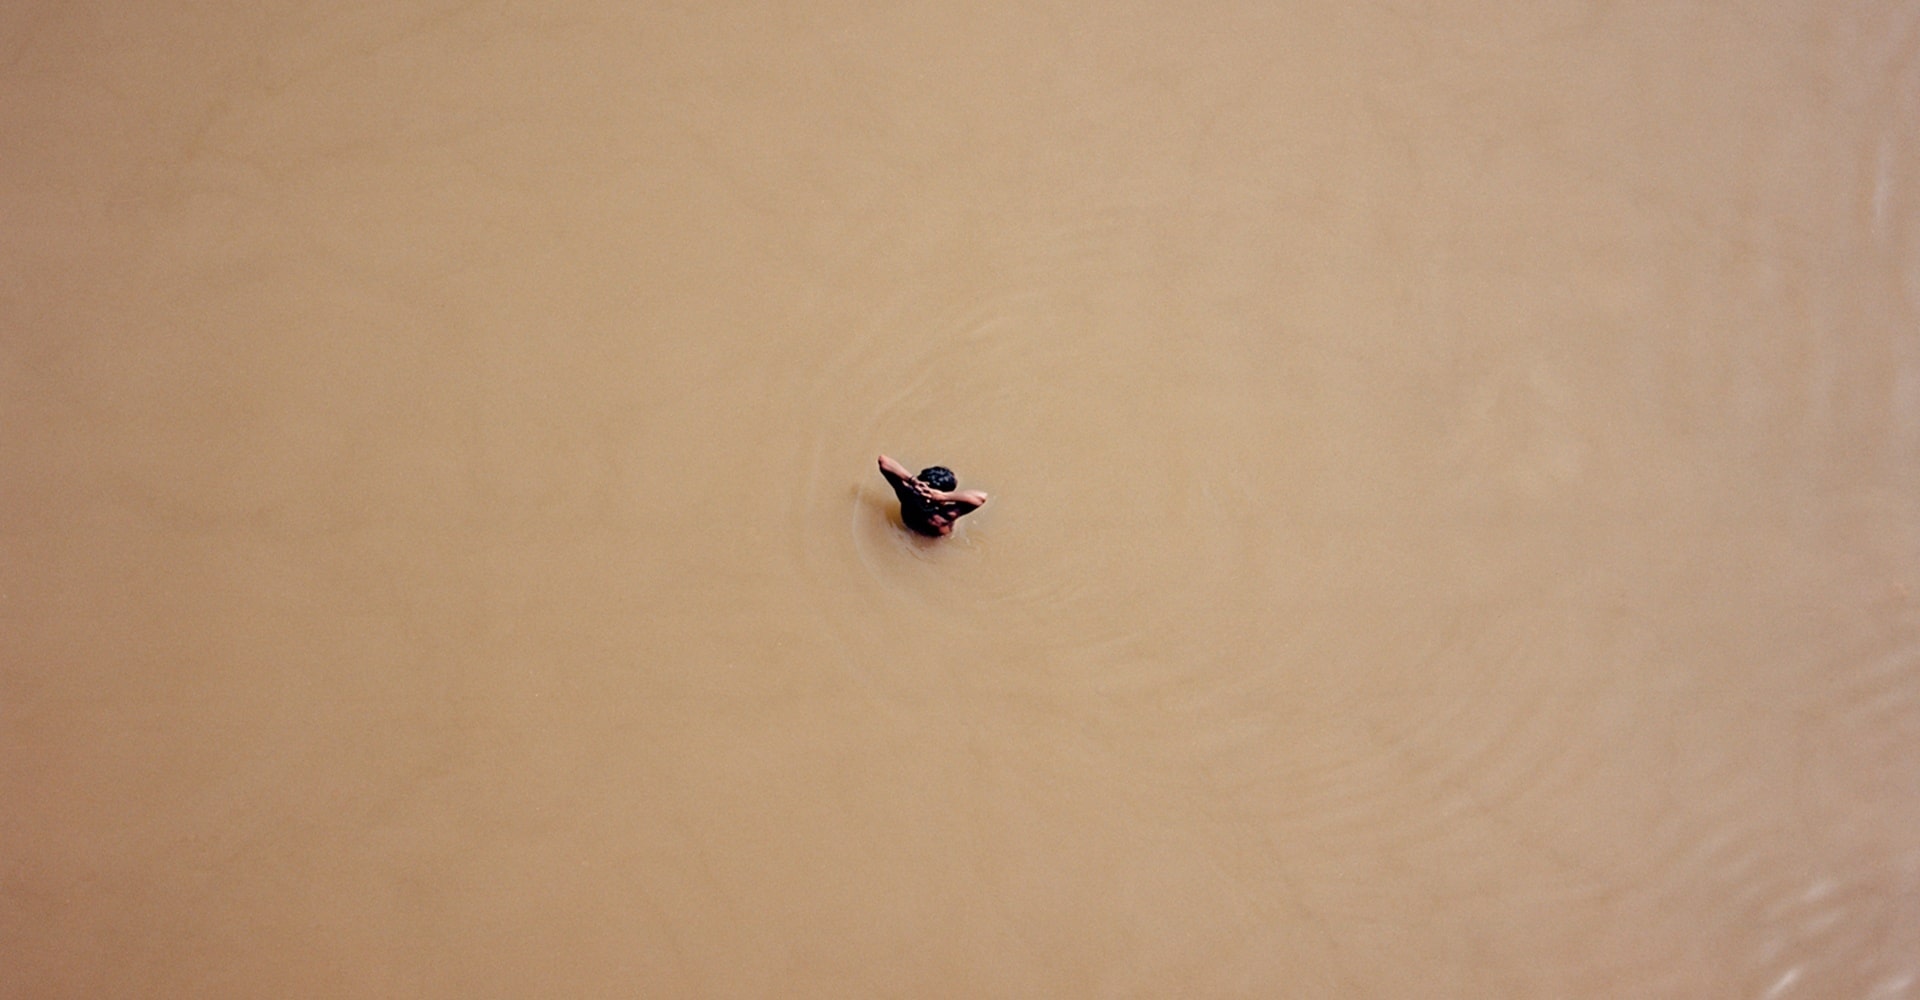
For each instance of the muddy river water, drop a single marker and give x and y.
(1455, 521)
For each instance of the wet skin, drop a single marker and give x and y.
(926, 510)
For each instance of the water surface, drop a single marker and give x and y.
(1456, 520)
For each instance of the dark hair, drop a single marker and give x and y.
(939, 477)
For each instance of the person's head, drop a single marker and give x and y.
(939, 477)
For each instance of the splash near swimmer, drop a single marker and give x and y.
(929, 504)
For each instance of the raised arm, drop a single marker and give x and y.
(968, 498)
(907, 488)
(939, 507)
(894, 471)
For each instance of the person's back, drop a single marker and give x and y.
(928, 503)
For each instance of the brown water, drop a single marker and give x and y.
(1456, 520)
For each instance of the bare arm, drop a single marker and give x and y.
(893, 470)
(946, 506)
(904, 485)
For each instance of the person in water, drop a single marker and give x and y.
(928, 503)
